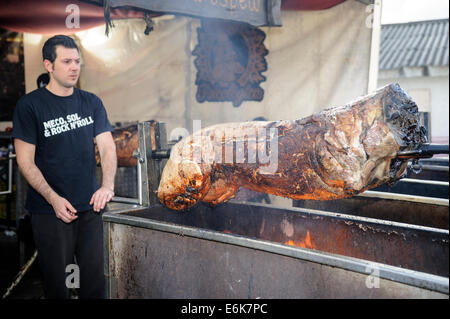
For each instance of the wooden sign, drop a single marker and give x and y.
(230, 59)
(254, 12)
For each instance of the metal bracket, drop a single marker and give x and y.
(10, 156)
(151, 161)
(151, 157)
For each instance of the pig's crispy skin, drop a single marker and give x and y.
(333, 154)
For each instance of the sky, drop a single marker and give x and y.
(400, 11)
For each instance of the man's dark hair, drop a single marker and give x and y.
(43, 80)
(49, 48)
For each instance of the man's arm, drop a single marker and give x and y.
(108, 160)
(25, 161)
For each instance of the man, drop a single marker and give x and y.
(54, 128)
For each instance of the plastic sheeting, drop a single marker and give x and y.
(318, 59)
(138, 77)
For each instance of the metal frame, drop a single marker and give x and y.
(11, 156)
(424, 181)
(115, 208)
(396, 274)
(150, 162)
(147, 167)
(405, 197)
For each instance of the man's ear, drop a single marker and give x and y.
(48, 65)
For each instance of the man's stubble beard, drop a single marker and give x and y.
(66, 85)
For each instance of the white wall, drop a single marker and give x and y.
(437, 102)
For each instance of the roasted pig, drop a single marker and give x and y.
(126, 140)
(336, 153)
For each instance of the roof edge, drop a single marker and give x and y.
(416, 22)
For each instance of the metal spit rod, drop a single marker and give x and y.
(424, 181)
(425, 151)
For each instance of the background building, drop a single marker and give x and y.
(415, 54)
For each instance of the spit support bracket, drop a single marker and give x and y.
(151, 156)
(424, 151)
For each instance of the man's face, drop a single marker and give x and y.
(65, 70)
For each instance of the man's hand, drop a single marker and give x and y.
(102, 196)
(63, 209)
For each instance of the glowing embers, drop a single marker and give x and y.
(303, 243)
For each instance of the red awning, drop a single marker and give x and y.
(49, 16)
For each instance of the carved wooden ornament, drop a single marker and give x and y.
(230, 58)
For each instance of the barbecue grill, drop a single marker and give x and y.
(249, 250)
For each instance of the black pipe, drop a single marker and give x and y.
(425, 151)
(161, 154)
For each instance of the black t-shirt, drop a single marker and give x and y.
(63, 129)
